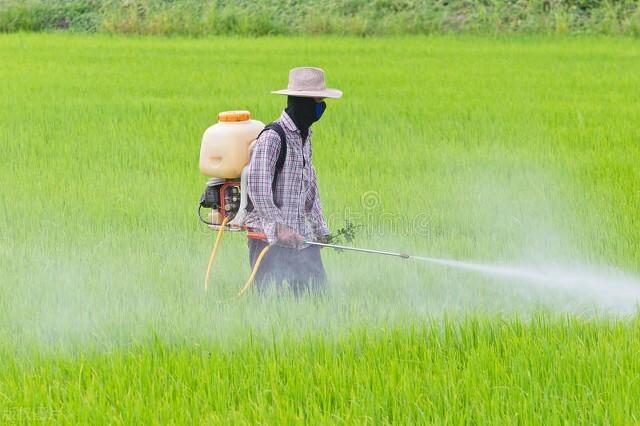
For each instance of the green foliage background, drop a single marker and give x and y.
(353, 17)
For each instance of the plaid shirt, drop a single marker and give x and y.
(296, 189)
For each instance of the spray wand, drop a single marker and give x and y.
(362, 250)
(348, 234)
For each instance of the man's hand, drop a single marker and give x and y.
(287, 236)
(324, 239)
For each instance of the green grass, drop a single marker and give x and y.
(521, 150)
(479, 372)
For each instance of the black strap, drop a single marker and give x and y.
(279, 162)
(283, 148)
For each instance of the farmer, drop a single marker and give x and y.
(283, 189)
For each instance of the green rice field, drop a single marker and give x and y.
(522, 152)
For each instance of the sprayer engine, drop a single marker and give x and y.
(222, 196)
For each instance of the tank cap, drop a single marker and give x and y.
(231, 116)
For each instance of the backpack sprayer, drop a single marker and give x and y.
(224, 157)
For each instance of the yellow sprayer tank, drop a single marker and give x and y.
(224, 151)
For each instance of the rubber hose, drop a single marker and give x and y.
(249, 282)
(214, 251)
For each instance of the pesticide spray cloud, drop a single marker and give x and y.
(534, 247)
(112, 291)
(524, 219)
(612, 290)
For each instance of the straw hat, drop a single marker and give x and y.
(308, 82)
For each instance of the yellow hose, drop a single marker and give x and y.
(214, 251)
(254, 271)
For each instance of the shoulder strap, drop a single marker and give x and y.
(283, 146)
(281, 156)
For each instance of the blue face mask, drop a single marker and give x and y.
(320, 108)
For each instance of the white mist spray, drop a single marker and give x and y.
(609, 289)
